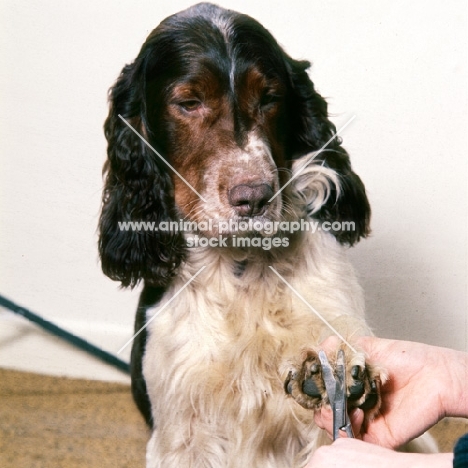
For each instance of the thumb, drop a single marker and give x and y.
(356, 416)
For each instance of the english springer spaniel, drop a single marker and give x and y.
(214, 126)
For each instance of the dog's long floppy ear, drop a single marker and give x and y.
(310, 131)
(138, 188)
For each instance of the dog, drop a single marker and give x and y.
(215, 125)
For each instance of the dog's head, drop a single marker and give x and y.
(224, 113)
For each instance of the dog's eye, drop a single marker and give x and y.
(269, 99)
(190, 105)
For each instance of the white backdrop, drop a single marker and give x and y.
(400, 67)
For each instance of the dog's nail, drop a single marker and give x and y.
(355, 372)
(370, 402)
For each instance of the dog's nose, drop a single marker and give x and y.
(250, 200)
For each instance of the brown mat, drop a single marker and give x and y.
(57, 422)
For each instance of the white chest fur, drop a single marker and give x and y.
(217, 355)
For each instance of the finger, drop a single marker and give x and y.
(324, 420)
(318, 419)
(356, 416)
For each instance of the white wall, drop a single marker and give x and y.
(399, 66)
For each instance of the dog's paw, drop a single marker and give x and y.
(306, 385)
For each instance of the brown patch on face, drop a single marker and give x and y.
(256, 93)
(201, 121)
(204, 121)
(261, 98)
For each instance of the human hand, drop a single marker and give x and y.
(353, 453)
(425, 384)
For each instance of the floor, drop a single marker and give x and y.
(67, 423)
(58, 422)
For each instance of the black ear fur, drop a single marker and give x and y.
(137, 188)
(310, 130)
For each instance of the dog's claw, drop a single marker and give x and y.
(372, 398)
(357, 388)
